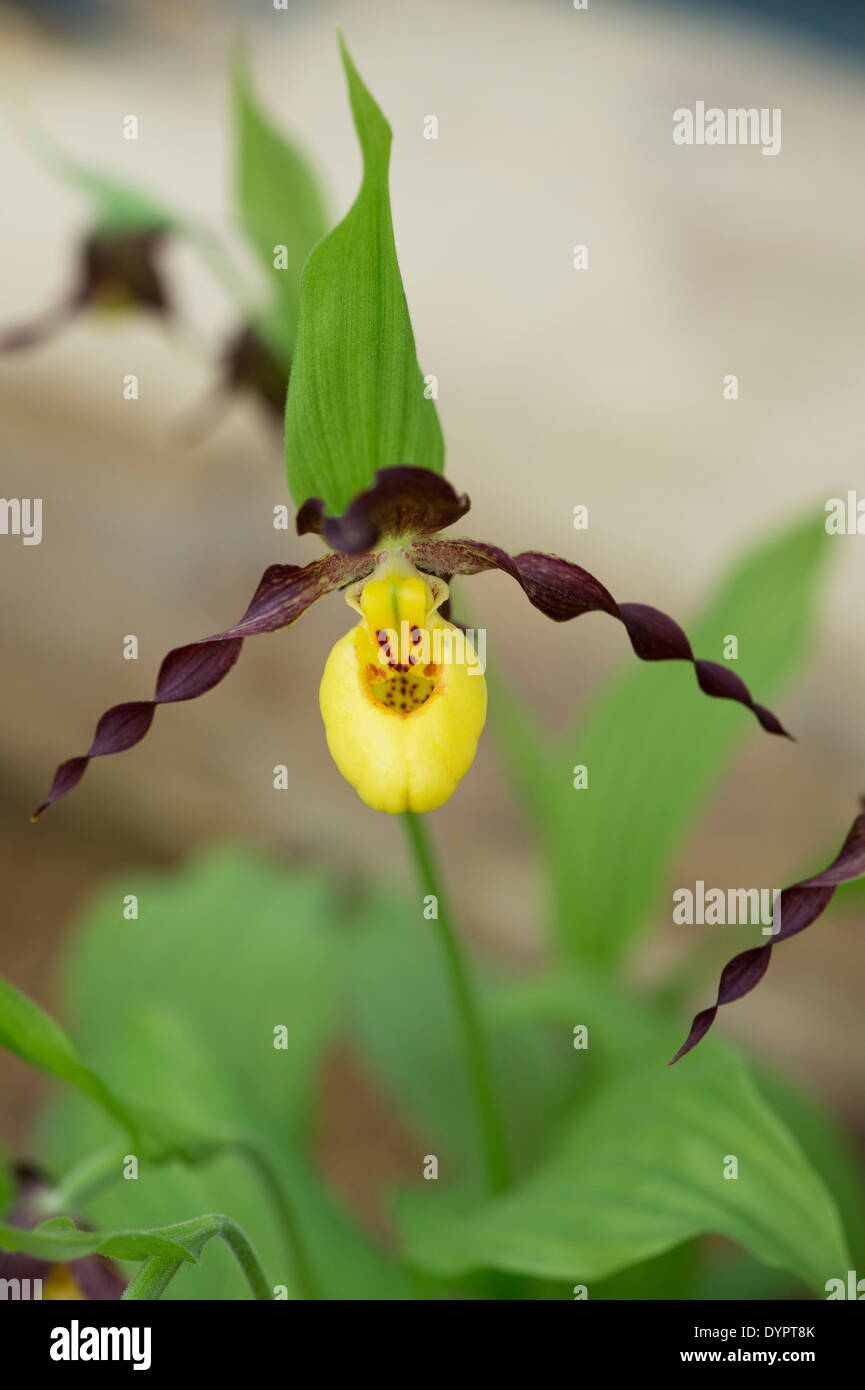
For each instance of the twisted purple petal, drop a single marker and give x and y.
(283, 594)
(800, 905)
(562, 591)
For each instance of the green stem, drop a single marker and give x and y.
(100, 1169)
(82, 1182)
(156, 1274)
(466, 1005)
(253, 1151)
(152, 1279)
(246, 1257)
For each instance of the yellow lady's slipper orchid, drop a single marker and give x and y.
(403, 696)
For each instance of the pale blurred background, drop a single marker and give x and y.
(556, 387)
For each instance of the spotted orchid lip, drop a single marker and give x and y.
(402, 511)
(800, 905)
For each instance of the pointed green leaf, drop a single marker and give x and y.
(119, 206)
(35, 1037)
(278, 199)
(641, 1170)
(357, 402)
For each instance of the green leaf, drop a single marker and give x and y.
(345, 1264)
(119, 206)
(654, 747)
(831, 1152)
(35, 1037)
(59, 1239)
(224, 953)
(278, 198)
(640, 1171)
(7, 1186)
(623, 1030)
(357, 400)
(179, 1010)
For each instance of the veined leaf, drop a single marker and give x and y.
(357, 399)
(641, 1170)
(277, 196)
(626, 1031)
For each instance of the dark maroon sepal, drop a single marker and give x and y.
(800, 905)
(284, 593)
(248, 364)
(404, 501)
(123, 263)
(562, 591)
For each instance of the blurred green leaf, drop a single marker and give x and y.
(654, 747)
(179, 1009)
(121, 208)
(277, 195)
(640, 1171)
(345, 1264)
(35, 1037)
(357, 400)
(622, 1028)
(663, 1278)
(118, 205)
(828, 1149)
(7, 1186)
(230, 949)
(625, 1030)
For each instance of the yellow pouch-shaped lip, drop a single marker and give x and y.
(403, 759)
